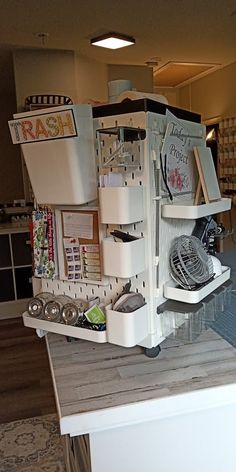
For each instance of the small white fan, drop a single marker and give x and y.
(217, 267)
(190, 265)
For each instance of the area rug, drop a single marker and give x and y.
(31, 445)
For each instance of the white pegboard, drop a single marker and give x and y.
(156, 231)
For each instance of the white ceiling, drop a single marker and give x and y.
(174, 30)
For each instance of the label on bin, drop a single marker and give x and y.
(43, 127)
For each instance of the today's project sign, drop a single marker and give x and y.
(43, 127)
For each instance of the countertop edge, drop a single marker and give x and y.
(148, 410)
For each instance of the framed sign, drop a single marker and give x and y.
(178, 158)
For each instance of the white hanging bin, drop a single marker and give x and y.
(123, 259)
(126, 329)
(58, 148)
(121, 205)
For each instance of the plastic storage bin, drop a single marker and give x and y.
(209, 310)
(61, 167)
(183, 320)
(126, 329)
(192, 326)
(227, 287)
(121, 205)
(219, 301)
(123, 259)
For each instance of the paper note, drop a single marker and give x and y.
(78, 225)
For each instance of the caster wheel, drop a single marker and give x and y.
(152, 352)
(70, 339)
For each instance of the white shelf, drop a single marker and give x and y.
(186, 210)
(174, 292)
(59, 328)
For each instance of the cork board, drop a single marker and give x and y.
(81, 246)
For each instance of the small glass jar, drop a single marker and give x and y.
(52, 309)
(73, 311)
(36, 304)
(70, 314)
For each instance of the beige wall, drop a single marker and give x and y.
(213, 95)
(11, 182)
(59, 72)
(44, 72)
(91, 80)
(170, 93)
(140, 76)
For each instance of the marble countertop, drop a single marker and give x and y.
(102, 386)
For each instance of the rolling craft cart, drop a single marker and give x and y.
(68, 153)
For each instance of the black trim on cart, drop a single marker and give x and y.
(144, 104)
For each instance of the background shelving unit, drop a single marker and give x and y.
(15, 270)
(227, 155)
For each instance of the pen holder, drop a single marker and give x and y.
(121, 205)
(126, 329)
(123, 259)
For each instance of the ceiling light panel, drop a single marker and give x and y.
(113, 41)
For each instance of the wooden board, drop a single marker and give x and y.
(207, 173)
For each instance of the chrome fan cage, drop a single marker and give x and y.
(190, 265)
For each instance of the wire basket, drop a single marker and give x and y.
(190, 265)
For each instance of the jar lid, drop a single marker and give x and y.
(70, 314)
(52, 311)
(35, 307)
